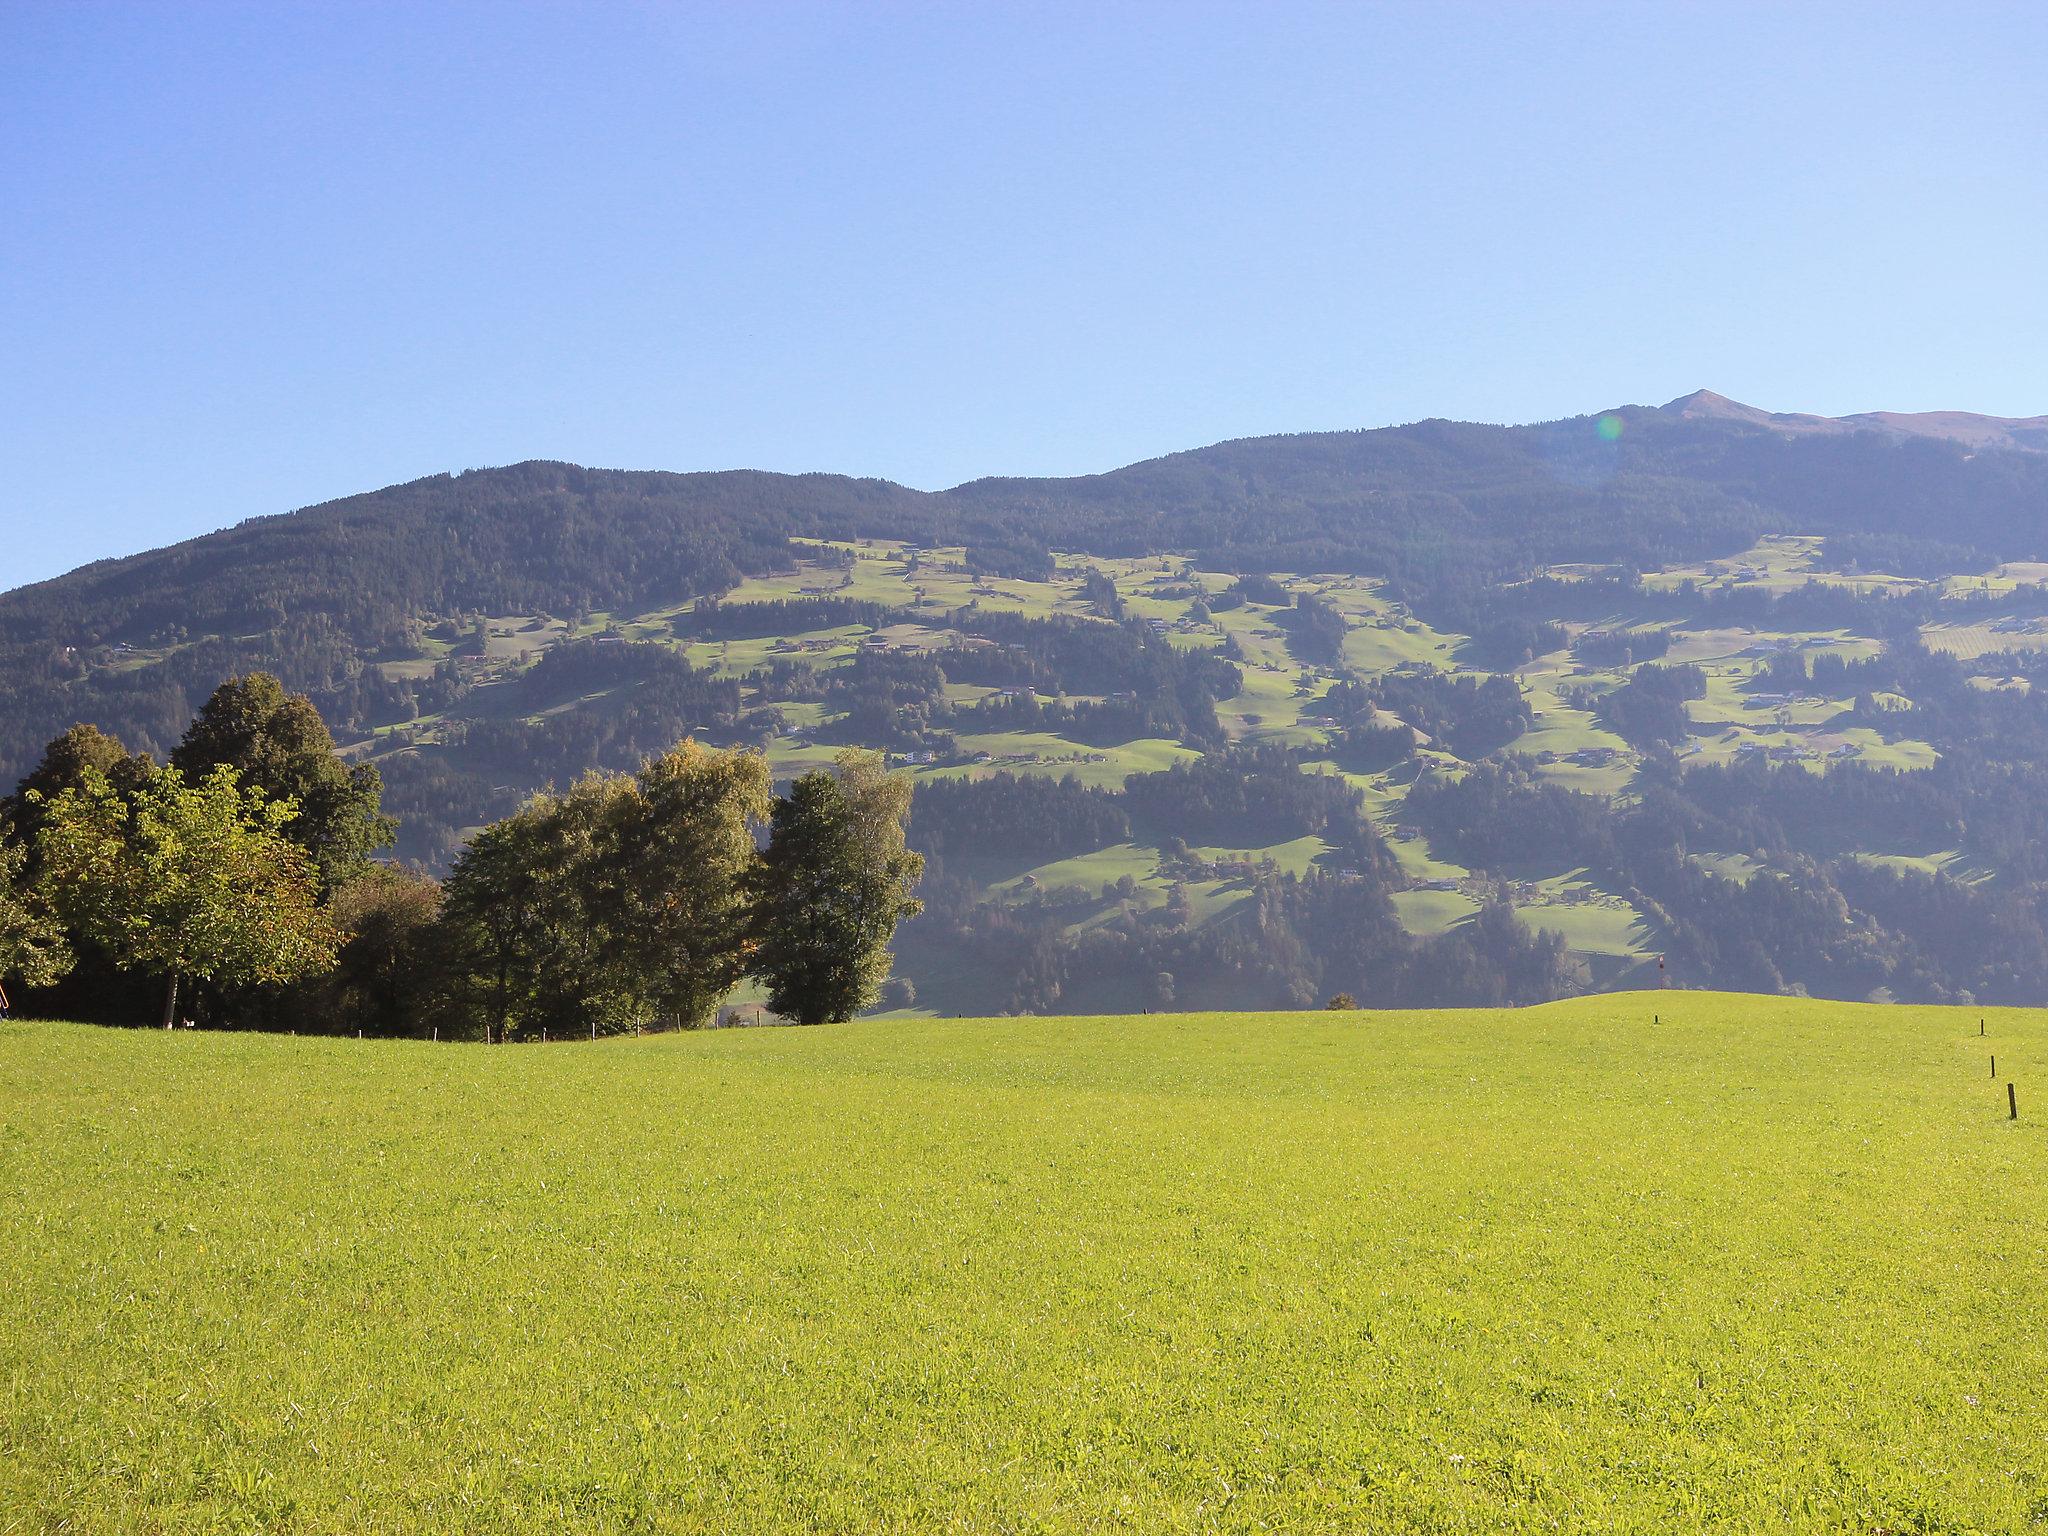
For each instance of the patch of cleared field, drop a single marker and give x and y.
(1952, 862)
(820, 648)
(1967, 641)
(2000, 684)
(513, 635)
(1209, 900)
(1904, 755)
(413, 669)
(1777, 563)
(1382, 641)
(1427, 914)
(1043, 752)
(1292, 858)
(805, 714)
(787, 586)
(1263, 642)
(1418, 862)
(1607, 780)
(1089, 872)
(1559, 728)
(1597, 925)
(1708, 645)
(787, 759)
(1739, 867)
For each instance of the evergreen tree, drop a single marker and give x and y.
(182, 879)
(832, 886)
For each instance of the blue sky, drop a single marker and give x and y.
(256, 256)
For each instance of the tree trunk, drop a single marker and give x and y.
(171, 1001)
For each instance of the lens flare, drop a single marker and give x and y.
(1609, 428)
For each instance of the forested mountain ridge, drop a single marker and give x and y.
(1352, 710)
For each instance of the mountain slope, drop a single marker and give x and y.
(1340, 711)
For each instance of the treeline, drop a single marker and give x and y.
(242, 871)
(1471, 716)
(1815, 914)
(710, 619)
(1291, 942)
(1011, 814)
(1649, 709)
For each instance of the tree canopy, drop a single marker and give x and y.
(183, 879)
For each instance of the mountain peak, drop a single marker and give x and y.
(1704, 402)
(1972, 431)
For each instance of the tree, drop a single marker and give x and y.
(671, 875)
(834, 882)
(181, 879)
(277, 742)
(62, 767)
(32, 944)
(523, 916)
(386, 972)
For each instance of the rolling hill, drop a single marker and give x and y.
(1751, 695)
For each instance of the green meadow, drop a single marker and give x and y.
(1760, 1265)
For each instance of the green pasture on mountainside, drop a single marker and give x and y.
(1765, 1264)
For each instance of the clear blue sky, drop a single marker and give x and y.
(256, 256)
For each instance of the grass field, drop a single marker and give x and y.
(1767, 1265)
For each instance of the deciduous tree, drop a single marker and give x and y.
(834, 882)
(181, 879)
(523, 917)
(277, 742)
(32, 944)
(672, 875)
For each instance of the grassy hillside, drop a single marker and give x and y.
(1277, 706)
(1858, 620)
(1763, 1265)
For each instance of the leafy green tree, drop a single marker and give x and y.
(670, 878)
(181, 879)
(33, 949)
(523, 921)
(277, 742)
(834, 882)
(62, 767)
(386, 977)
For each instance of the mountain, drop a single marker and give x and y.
(1239, 726)
(2025, 434)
